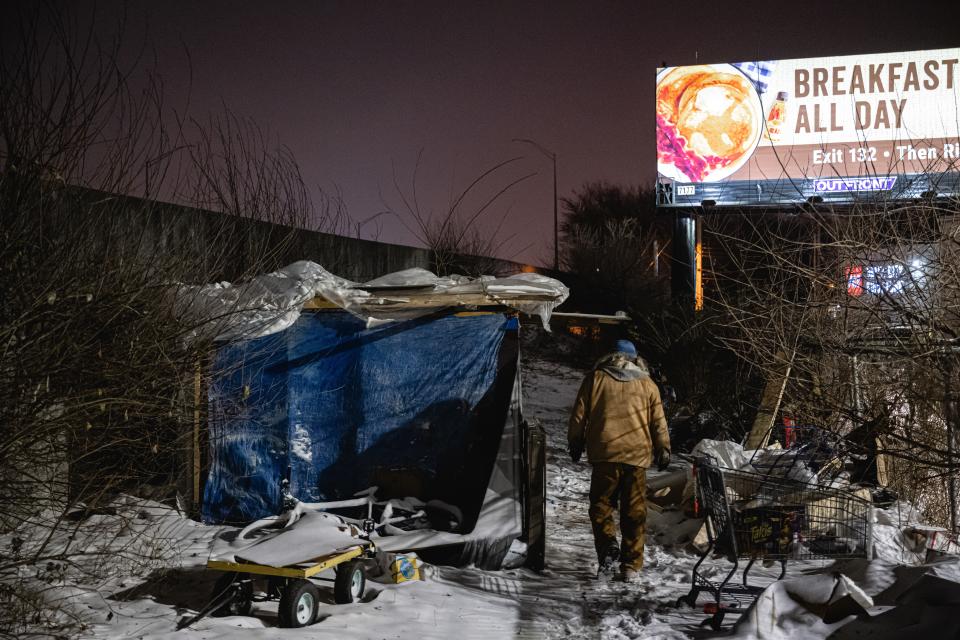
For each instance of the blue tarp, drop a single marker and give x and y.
(337, 407)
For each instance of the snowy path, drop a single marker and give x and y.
(577, 604)
(566, 600)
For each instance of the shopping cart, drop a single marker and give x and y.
(759, 516)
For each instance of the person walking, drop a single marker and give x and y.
(618, 418)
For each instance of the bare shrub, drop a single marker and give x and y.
(460, 237)
(612, 242)
(861, 300)
(99, 379)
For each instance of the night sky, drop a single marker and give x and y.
(357, 89)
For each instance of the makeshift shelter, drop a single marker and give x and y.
(409, 384)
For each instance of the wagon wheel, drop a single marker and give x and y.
(350, 583)
(240, 602)
(298, 604)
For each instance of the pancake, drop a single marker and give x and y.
(714, 120)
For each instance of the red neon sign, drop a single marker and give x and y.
(854, 276)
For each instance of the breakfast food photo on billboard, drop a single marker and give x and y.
(788, 131)
(709, 122)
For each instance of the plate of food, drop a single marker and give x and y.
(709, 121)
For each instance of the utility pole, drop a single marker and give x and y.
(951, 417)
(556, 224)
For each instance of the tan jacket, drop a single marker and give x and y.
(618, 415)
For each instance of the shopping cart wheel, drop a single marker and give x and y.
(715, 621)
(689, 600)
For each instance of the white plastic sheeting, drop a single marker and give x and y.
(899, 535)
(272, 302)
(304, 533)
(773, 460)
(728, 455)
(309, 536)
(805, 607)
(266, 304)
(858, 599)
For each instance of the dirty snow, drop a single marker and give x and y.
(164, 579)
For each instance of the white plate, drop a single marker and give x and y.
(670, 171)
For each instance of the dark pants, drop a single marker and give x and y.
(616, 485)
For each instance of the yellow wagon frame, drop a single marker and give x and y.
(300, 570)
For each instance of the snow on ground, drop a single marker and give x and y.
(564, 601)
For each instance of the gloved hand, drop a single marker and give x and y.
(575, 452)
(663, 459)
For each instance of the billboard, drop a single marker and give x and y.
(784, 131)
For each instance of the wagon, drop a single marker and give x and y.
(288, 562)
(294, 586)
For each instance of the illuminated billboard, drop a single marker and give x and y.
(838, 129)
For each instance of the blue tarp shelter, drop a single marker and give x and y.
(415, 407)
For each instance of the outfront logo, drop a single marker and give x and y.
(833, 185)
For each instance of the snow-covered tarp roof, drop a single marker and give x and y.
(272, 302)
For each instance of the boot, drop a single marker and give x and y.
(609, 561)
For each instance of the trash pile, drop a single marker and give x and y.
(800, 503)
(898, 533)
(822, 458)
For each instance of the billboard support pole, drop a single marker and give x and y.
(683, 272)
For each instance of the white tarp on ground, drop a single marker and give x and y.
(876, 600)
(272, 302)
(727, 454)
(809, 606)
